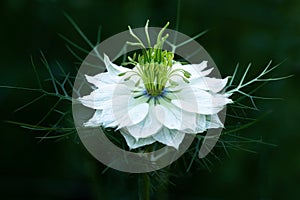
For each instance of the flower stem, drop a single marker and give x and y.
(144, 186)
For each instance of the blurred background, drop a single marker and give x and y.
(239, 32)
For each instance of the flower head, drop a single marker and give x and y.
(158, 100)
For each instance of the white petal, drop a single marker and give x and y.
(111, 76)
(127, 110)
(193, 99)
(104, 78)
(107, 118)
(96, 80)
(92, 101)
(100, 97)
(169, 137)
(149, 126)
(170, 119)
(132, 115)
(200, 124)
(133, 143)
(196, 70)
(213, 121)
(174, 118)
(209, 84)
(113, 69)
(95, 121)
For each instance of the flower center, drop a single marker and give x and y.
(154, 65)
(154, 69)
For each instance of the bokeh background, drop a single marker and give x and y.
(239, 32)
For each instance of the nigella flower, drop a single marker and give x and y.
(158, 100)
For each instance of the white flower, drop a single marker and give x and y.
(156, 101)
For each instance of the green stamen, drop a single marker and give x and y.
(154, 65)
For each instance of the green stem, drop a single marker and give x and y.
(144, 186)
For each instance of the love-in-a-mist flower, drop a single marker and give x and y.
(159, 99)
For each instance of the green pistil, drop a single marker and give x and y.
(154, 76)
(154, 66)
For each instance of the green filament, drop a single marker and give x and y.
(154, 65)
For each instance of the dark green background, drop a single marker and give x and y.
(240, 31)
